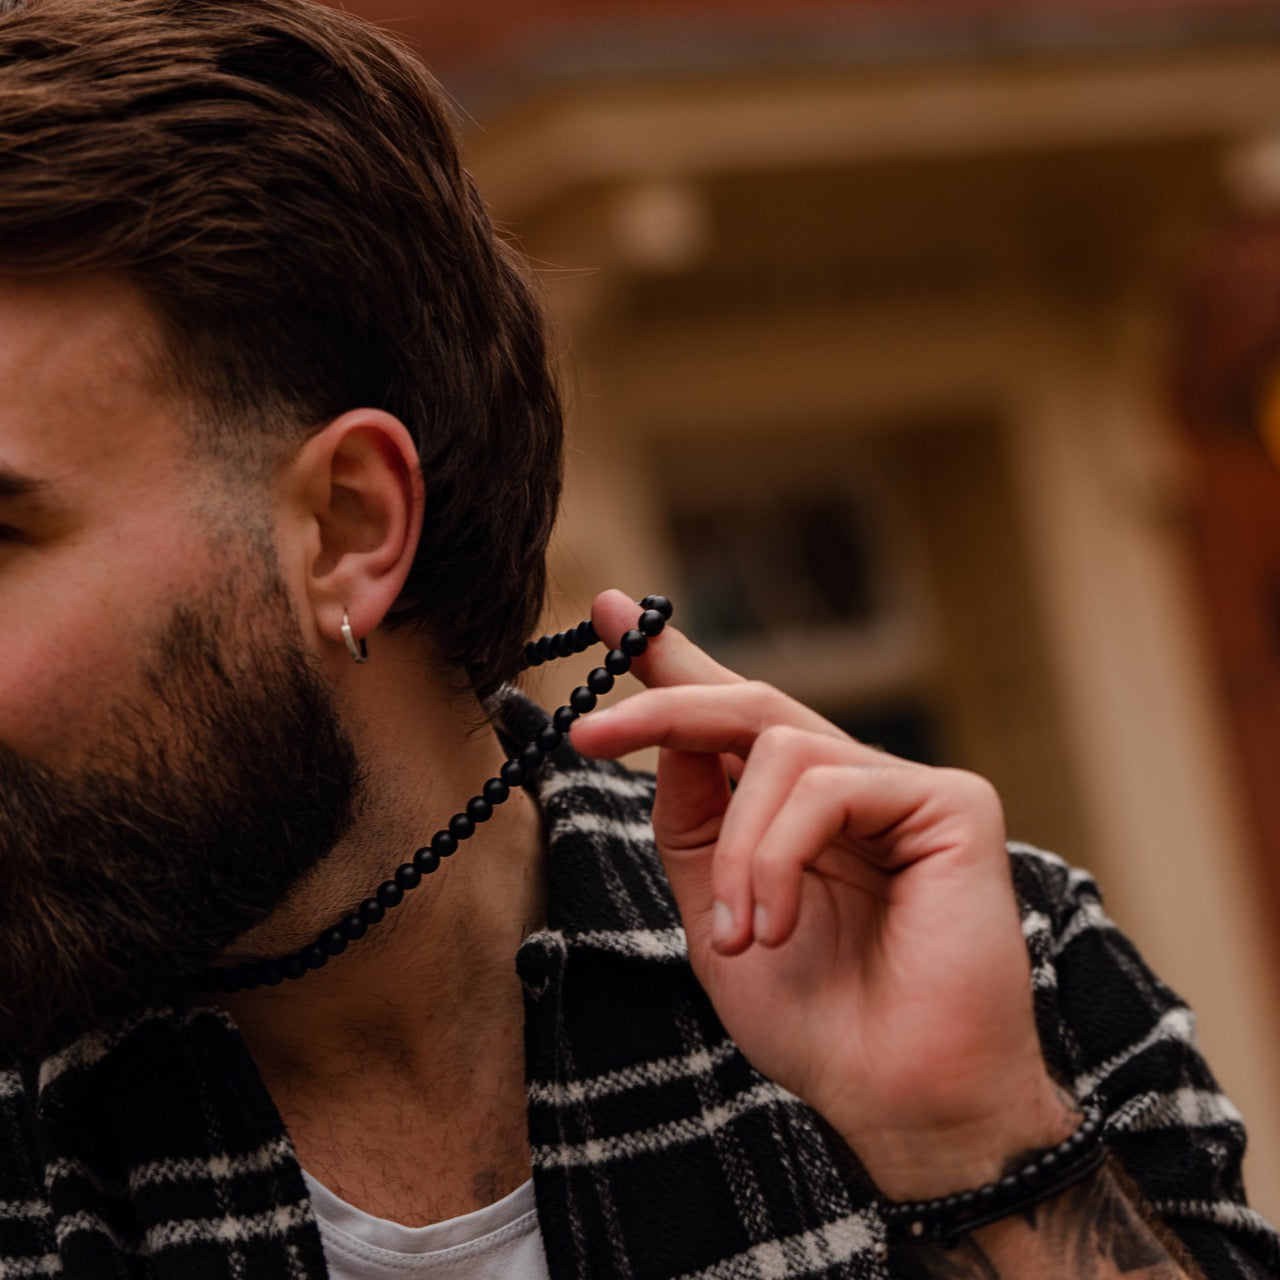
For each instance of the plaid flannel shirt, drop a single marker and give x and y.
(152, 1149)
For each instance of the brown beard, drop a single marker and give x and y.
(211, 795)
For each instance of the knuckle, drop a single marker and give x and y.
(820, 782)
(972, 788)
(778, 739)
(766, 698)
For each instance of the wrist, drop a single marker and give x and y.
(923, 1161)
(1044, 1175)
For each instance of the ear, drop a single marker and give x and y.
(353, 502)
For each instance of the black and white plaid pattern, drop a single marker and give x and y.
(153, 1150)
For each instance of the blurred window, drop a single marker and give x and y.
(777, 563)
(796, 568)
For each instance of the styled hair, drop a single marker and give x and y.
(282, 183)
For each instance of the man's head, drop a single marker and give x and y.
(282, 185)
(237, 253)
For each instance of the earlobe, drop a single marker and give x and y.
(357, 486)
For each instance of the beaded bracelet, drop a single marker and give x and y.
(946, 1218)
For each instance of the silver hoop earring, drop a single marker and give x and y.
(358, 649)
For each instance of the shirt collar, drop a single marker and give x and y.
(607, 889)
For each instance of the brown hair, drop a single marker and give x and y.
(282, 182)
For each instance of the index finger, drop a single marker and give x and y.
(673, 660)
(704, 719)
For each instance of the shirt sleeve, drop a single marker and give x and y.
(1118, 1037)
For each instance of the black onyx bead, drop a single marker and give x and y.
(495, 791)
(462, 826)
(563, 717)
(549, 739)
(986, 1193)
(531, 654)
(408, 876)
(950, 1204)
(617, 663)
(967, 1199)
(293, 966)
(426, 860)
(600, 681)
(582, 700)
(354, 927)
(586, 634)
(247, 979)
(1048, 1162)
(513, 773)
(444, 843)
(334, 941)
(270, 974)
(634, 643)
(543, 648)
(371, 911)
(1008, 1184)
(479, 809)
(659, 604)
(651, 622)
(390, 894)
(531, 756)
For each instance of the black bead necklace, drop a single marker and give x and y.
(444, 844)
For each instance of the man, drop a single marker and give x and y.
(273, 397)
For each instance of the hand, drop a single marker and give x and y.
(850, 915)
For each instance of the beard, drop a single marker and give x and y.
(210, 794)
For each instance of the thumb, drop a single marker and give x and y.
(675, 659)
(693, 789)
(688, 811)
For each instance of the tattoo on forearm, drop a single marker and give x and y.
(1092, 1231)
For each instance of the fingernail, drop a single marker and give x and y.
(760, 923)
(721, 922)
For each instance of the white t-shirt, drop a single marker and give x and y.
(499, 1242)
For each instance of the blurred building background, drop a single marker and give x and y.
(922, 351)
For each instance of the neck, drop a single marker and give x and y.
(398, 1068)
(435, 978)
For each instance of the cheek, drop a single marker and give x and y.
(57, 687)
(61, 702)
(74, 649)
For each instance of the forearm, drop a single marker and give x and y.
(1093, 1230)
